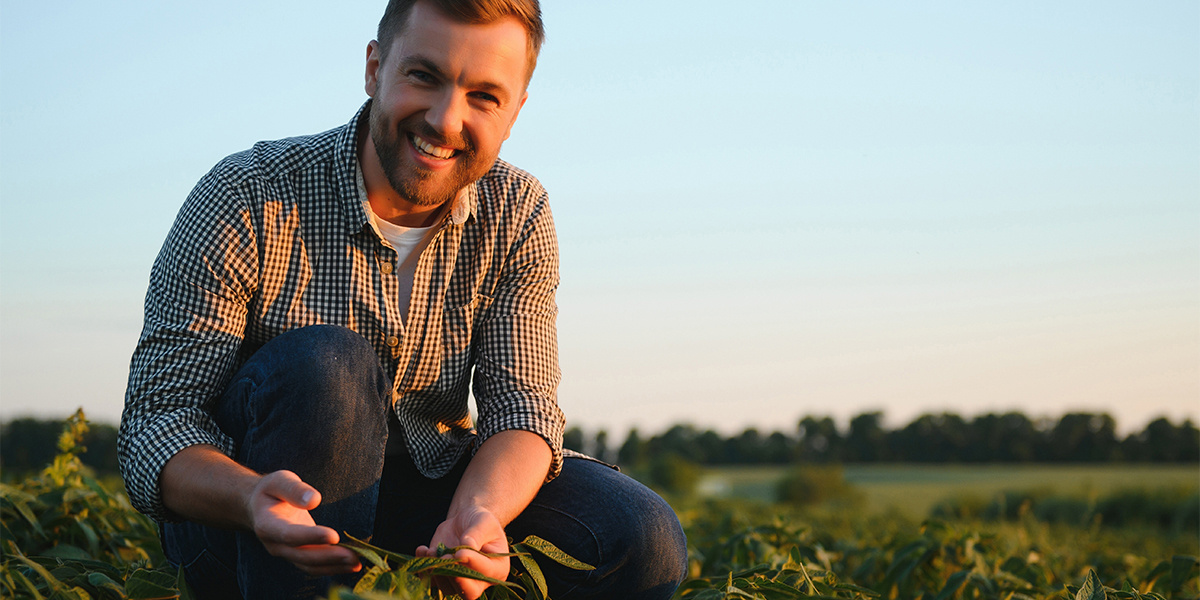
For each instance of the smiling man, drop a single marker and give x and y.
(322, 309)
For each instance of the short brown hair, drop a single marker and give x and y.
(528, 12)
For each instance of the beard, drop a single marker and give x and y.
(413, 182)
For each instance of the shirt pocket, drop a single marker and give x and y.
(458, 325)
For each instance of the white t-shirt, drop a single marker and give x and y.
(409, 242)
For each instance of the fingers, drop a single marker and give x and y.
(319, 559)
(282, 523)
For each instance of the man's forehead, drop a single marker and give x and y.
(500, 46)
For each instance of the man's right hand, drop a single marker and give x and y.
(278, 508)
(201, 484)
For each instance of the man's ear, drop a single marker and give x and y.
(507, 132)
(372, 84)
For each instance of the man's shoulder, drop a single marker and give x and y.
(278, 159)
(510, 183)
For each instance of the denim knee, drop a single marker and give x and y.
(656, 542)
(314, 401)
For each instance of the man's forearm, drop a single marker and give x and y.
(504, 475)
(201, 484)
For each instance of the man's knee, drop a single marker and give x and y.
(629, 533)
(327, 356)
(655, 542)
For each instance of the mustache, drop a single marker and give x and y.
(422, 128)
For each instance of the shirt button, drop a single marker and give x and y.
(386, 267)
(393, 341)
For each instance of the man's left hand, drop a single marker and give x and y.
(479, 529)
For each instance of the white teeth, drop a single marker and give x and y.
(430, 149)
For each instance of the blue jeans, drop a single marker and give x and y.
(315, 401)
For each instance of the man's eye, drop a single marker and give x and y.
(486, 97)
(421, 76)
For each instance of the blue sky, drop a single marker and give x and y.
(781, 209)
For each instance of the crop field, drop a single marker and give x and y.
(913, 490)
(67, 535)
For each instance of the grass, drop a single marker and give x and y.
(914, 489)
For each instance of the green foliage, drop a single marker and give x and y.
(745, 550)
(1175, 509)
(411, 577)
(67, 536)
(672, 474)
(814, 484)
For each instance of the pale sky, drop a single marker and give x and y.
(779, 209)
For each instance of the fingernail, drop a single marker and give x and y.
(307, 497)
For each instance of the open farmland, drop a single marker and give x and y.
(67, 535)
(914, 489)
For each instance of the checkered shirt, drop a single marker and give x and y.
(276, 238)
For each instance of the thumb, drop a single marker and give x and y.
(288, 486)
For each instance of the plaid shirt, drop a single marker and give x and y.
(276, 238)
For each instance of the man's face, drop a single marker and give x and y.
(445, 99)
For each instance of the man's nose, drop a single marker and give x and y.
(446, 114)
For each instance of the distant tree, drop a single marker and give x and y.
(1162, 441)
(819, 440)
(1084, 437)
(573, 439)
(632, 452)
(600, 446)
(28, 444)
(1010, 437)
(673, 474)
(712, 447)
(779, 448)
(746, 448)
(867, 441)
(931, 438)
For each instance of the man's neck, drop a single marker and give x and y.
(386, 203)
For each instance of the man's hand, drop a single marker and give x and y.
(278, 508)
(479, 529)
(203, 485)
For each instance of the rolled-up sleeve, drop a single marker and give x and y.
(195, 317)
(517, 373)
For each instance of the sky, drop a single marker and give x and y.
(779, 209)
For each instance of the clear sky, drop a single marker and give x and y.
(778, 209)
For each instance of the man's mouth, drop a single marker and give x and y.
(428, 149)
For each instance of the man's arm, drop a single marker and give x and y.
(203, 485)
(175, 459)
(501, 480)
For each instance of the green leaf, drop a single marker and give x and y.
(535, 573)
(373, 555)
(367, 581)
(453, 569)
(68, 551)
(104, 582)
(1092, 588)
(553, 553)
(953, 584)
(145, 584)
(424, 563)
(1183, 568)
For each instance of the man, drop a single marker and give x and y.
(321, 308)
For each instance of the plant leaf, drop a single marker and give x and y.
(144, 584)
(1092, 588)
(553, 553)
(535, 573)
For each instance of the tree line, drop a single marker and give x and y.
(28, 444)
(930, 438)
